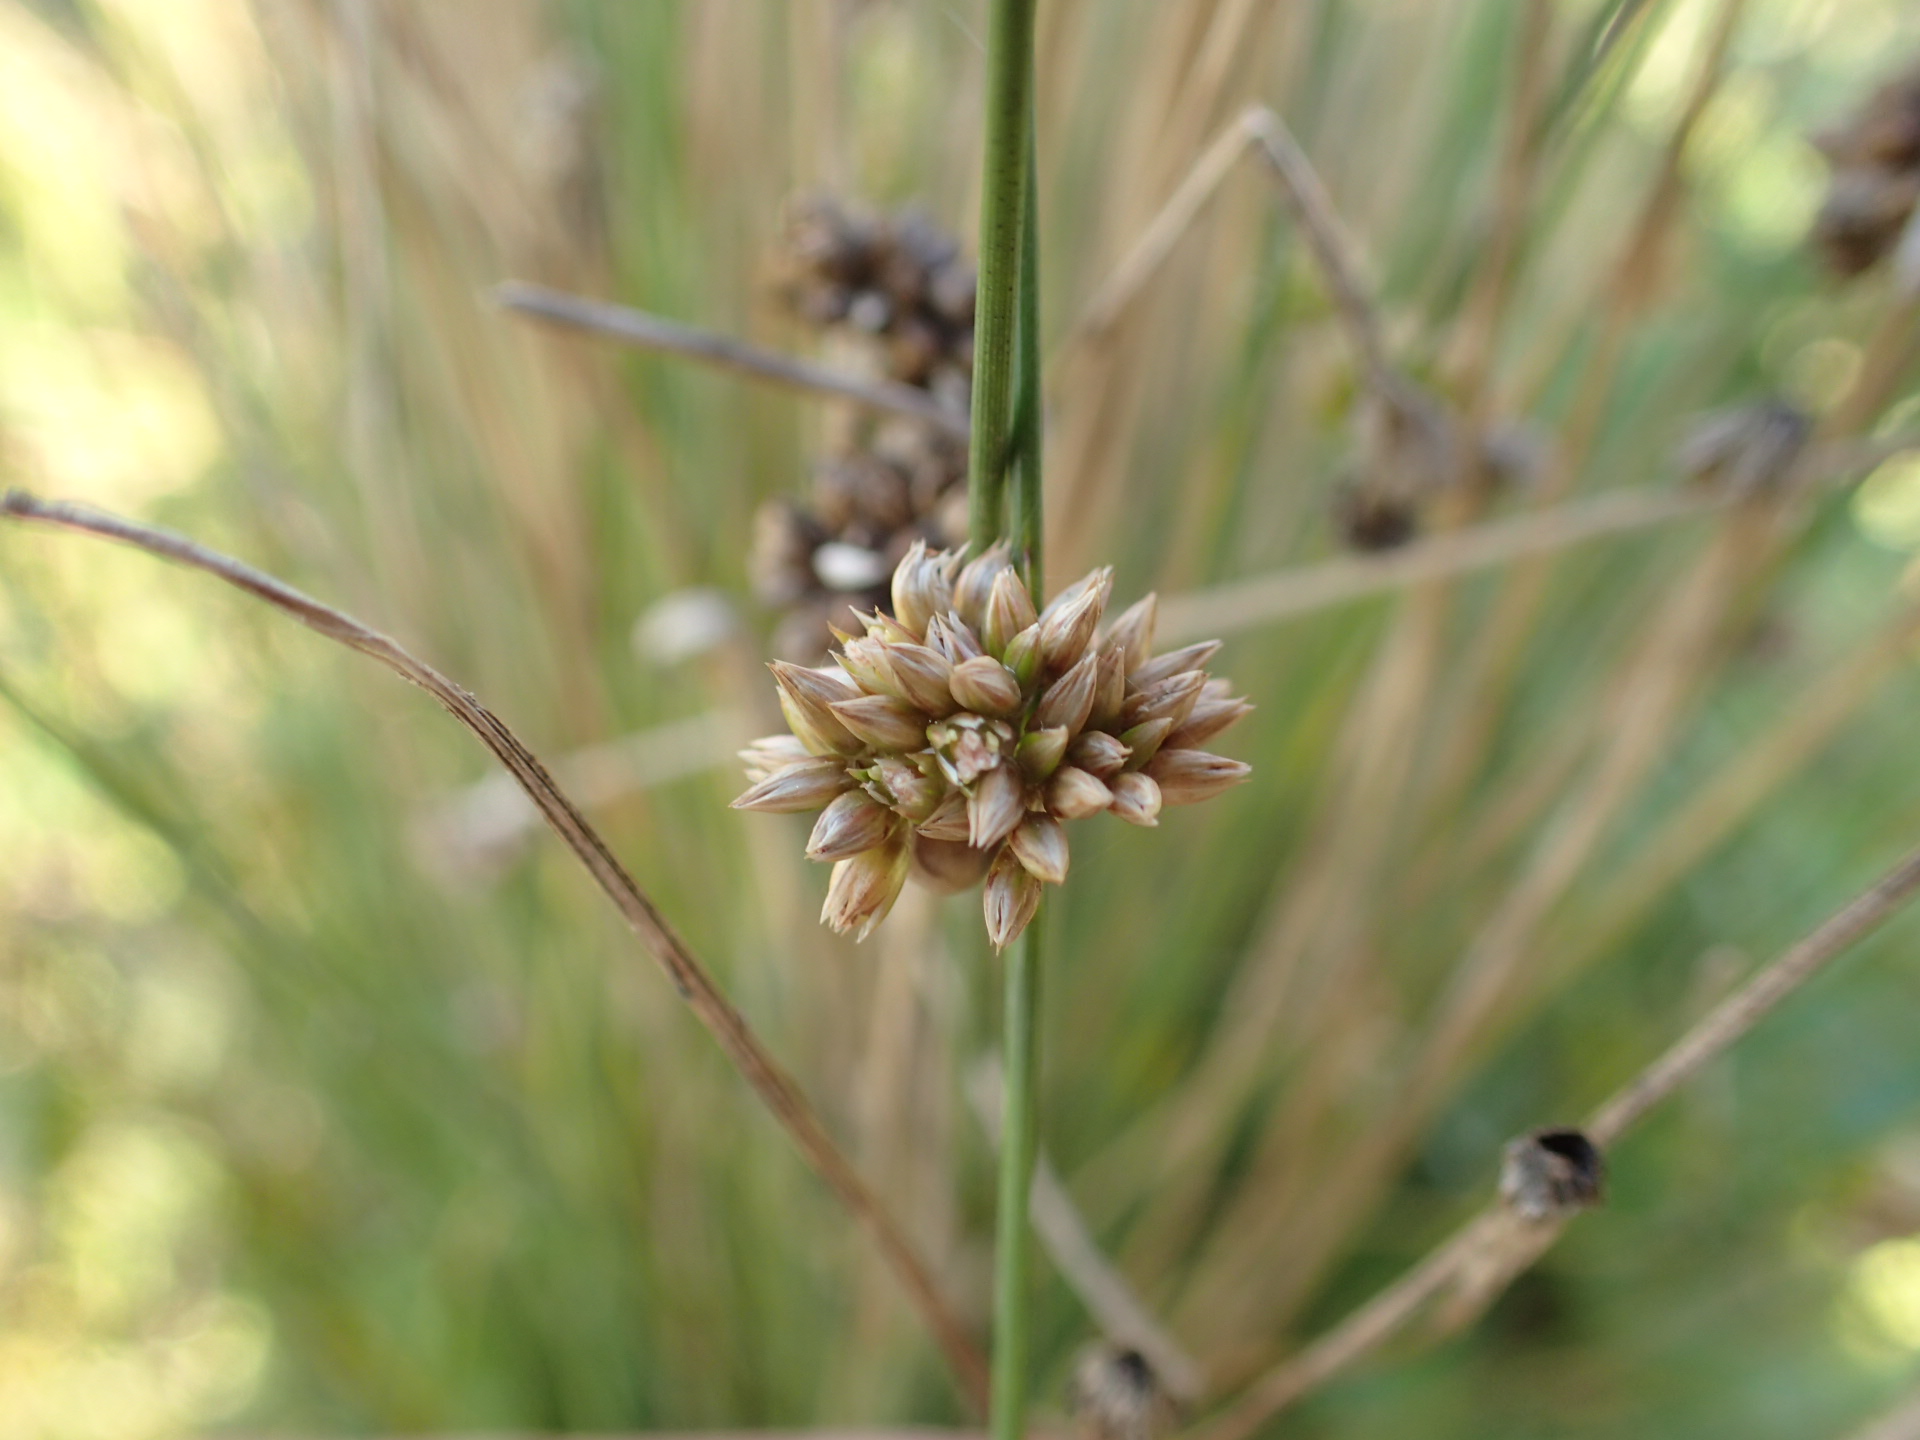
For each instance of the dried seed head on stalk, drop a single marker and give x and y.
(1551, 1174)
(957, 734)
(1874, 178)
(1115, 1394)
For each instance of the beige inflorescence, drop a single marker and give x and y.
(952, 739)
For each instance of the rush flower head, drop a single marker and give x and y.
(951, 740)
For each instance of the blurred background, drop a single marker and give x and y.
(333, 1100)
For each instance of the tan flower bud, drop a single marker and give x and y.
(771, 754)
(1039, 843)
(1039, 753)
(805, 785)
(948, 867)
(884, 628)
(1186, 777)
(883, 722)
(1172, 698)
(1098, 753)
(1069, 700)
(852, 823)
(975, 583)
(864, 888)
(1109, 690)
(922, 673)
(922, 587)
(950, 636)
(1009, 611)
(1132, 633)
(867, 662)
(806, 699)
(985, 686)
(1010, 899)
(1067, 625)
(1023, 656)
(949, 819)
(995, 807)
(904, 786)
(1209, 717)
(1174, 662)
(1073, 794)
(1136, 798)
(1144, 739)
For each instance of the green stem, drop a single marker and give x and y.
(1018, 1142)
(1003, 185)
(1028, 438)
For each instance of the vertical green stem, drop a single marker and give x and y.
(1028, 437)
(1018, 1143)
(1002, 190)
(1005, 342)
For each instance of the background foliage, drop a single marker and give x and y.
(330, 1097)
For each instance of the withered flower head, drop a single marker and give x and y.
(954, 736)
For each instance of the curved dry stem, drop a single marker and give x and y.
(776, 1089)
(1481, 1259)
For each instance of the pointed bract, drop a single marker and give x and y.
(1132, 633)
(1144, 739)
(1068, 701)
(985, 686)
(922, 587)
(975, 582)
(804, 785)
(1010, 899)
(1209, 716)
(1136, 798)
(1073, 794)
(1175, 662)
(922, 675)
(994, 807)
(1009, 611)
(1186, 777)
(1067, 626)
(864, 888)
(948, 821)
(1172, 698)
(1039, 843)
(1039, 753)
(1098, 753)
(854, 822)
(772, 753)
(883, 722)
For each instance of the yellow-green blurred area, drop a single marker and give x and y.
(333, 1099)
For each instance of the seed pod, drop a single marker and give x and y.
(923, 675)
(1175, 662)
(1136, 798)
(1143, 741)
(852, 823)
(1132, 633)
(864, 888)
(994, 807)
(948, 867)
(1067, 625)
(1098, 753)
(804, 785)
(1009, 611)
(975, 583)
(1172, 698)
(868, 663)
(1039, 753)
(1073, 794)
(1024, 658)
(1010, 899)
(985, 686)
(1186, 777)
(1040, 845)
(1210, 715)
(1109, 690)
(1549, 1174)
(883, 722)
(1068, 701)
(922, 587)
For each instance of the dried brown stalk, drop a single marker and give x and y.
(723, 352)
(776, 1089)
(1485, 1254)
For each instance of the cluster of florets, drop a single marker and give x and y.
(954, 737)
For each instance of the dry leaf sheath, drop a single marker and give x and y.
(955, 735)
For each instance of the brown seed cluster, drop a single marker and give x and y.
(954, 737)
(895, 298)
(1874, 179)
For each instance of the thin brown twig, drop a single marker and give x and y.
(723, 352)
(1492, 1248)
(776, 1089)
(1244, 604)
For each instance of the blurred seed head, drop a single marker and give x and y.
(1115, 1394)
(1873, 179)
(1551, 1174)
(1747, 450)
